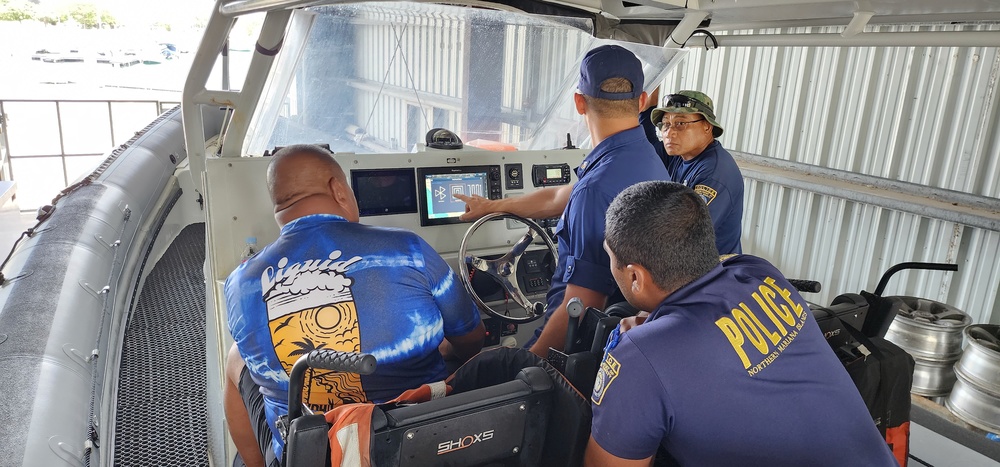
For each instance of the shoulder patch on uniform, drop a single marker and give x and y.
(707, 193)
(605, 376)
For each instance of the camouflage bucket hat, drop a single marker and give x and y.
(688, 102)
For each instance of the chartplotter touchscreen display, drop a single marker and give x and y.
(384, 191)
(438, 204)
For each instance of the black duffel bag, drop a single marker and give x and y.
(883, 378)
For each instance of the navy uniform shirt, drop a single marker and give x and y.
(329, 283)
(714, 175)
(620, 161)
(732, 369)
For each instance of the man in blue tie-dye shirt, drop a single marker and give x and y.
(330, 282)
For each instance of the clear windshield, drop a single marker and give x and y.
(377, 77)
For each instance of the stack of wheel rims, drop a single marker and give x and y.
(976, 395)
(931, 332)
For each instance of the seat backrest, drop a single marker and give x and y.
(308, 444)
(569, 428)
(507, 407)
(502, 424)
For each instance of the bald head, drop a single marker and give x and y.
(304, 179)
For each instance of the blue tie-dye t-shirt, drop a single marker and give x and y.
(329, 283)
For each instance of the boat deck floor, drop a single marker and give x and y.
(162, 407)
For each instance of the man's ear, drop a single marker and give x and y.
(581, 103)
(343, 194)
(339, 190)
(643, 100)
(632, 276)
(642, 283)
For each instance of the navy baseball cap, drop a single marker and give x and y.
(610, 61)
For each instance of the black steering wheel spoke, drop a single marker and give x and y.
(503, 270)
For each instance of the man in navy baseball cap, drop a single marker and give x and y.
(609, 62)
(610, 95)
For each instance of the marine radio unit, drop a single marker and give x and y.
(550, 174)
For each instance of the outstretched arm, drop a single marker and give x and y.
(541, 204)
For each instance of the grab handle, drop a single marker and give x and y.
(913, 265)
(344, 362)
(806, 286)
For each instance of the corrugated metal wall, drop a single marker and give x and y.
(923, 115)
(404, 50)
(426, 50)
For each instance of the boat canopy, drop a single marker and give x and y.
(511, 82)
(651, 21)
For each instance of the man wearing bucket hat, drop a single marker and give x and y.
(609, 96)
(684, 130)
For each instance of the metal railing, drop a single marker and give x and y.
(45, 144)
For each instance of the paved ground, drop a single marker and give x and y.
(12, 223)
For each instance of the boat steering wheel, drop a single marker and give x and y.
(503, 270)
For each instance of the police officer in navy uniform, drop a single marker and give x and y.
(683, 130)
(610, 98)
(730, 368)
